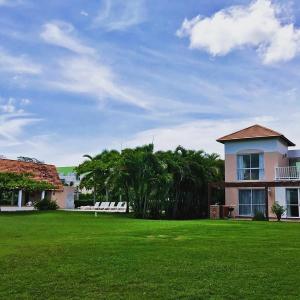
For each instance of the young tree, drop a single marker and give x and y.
(278, 210)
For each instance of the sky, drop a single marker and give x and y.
(78, 77)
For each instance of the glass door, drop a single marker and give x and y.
(292, 203)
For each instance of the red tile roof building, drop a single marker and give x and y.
(39, 172)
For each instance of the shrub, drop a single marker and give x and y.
(259, 216)
(86, 202)
(46, 204)
(278, 210)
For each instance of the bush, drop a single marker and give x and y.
(278, 210)
(86, 202)
(46, 204)
(259, 216)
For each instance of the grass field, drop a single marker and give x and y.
(64, 255)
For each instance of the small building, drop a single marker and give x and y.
(68, 176)
(21, 199)
(260, 169)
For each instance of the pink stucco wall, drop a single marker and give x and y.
(61, 196)
(271, 160)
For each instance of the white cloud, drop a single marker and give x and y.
(202, 134)
(259, 25)
(25, 101)
(17, 64)
(9, 2)
(120, 14)
(12, 127)
(62, 34)
(13, 121)
(84, 72)
(84, 13)
(87, 75)
(9, 106)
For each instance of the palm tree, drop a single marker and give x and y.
(170, 184)
(93, 173)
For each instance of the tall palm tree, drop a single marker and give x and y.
(93, 173)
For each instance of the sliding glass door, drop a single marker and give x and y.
(251, 201)
(292, 203)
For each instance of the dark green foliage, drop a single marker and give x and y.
(46, 204)
(278, 210)
(170, 184)
(84, 199)
(84, 202)
(259, 216)
(12, 181)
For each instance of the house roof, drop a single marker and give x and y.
(254, 132)
(40, 172)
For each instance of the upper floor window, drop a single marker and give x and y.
(250, 166)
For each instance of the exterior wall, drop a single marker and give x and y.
(273, 160)
(262, 145)
(231, 199)
(230, 167)
(65, 198)
(275, 155)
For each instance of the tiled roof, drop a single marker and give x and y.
(254, 132)
(40, 172)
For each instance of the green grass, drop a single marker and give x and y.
(63, 255)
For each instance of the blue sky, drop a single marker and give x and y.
(77, 77)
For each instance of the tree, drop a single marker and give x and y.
(96, 173)
(278, 210)
(93, 175)
(164, 184)
(13, 181)
(30, 159)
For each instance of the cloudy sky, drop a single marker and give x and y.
(80, 76)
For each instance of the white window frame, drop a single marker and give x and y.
(251, 201)
(241, 170)
(286, 200)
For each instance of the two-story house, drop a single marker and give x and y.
(259, 170)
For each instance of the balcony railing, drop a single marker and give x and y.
(287, 173)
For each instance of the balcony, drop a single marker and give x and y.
(287, 173)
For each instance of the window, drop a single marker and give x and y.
(250, 166)
(292, 203)
(251, 201)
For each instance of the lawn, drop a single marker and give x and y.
(64, 255)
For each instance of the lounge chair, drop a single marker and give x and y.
(110, 207)
(89, 207)
(115, 207)
(96, 206)
(103, 206)
(121, 207)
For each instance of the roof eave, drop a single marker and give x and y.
(287, 141)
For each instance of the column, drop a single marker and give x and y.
(43, 195)
(267, 202)
(20, 198)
